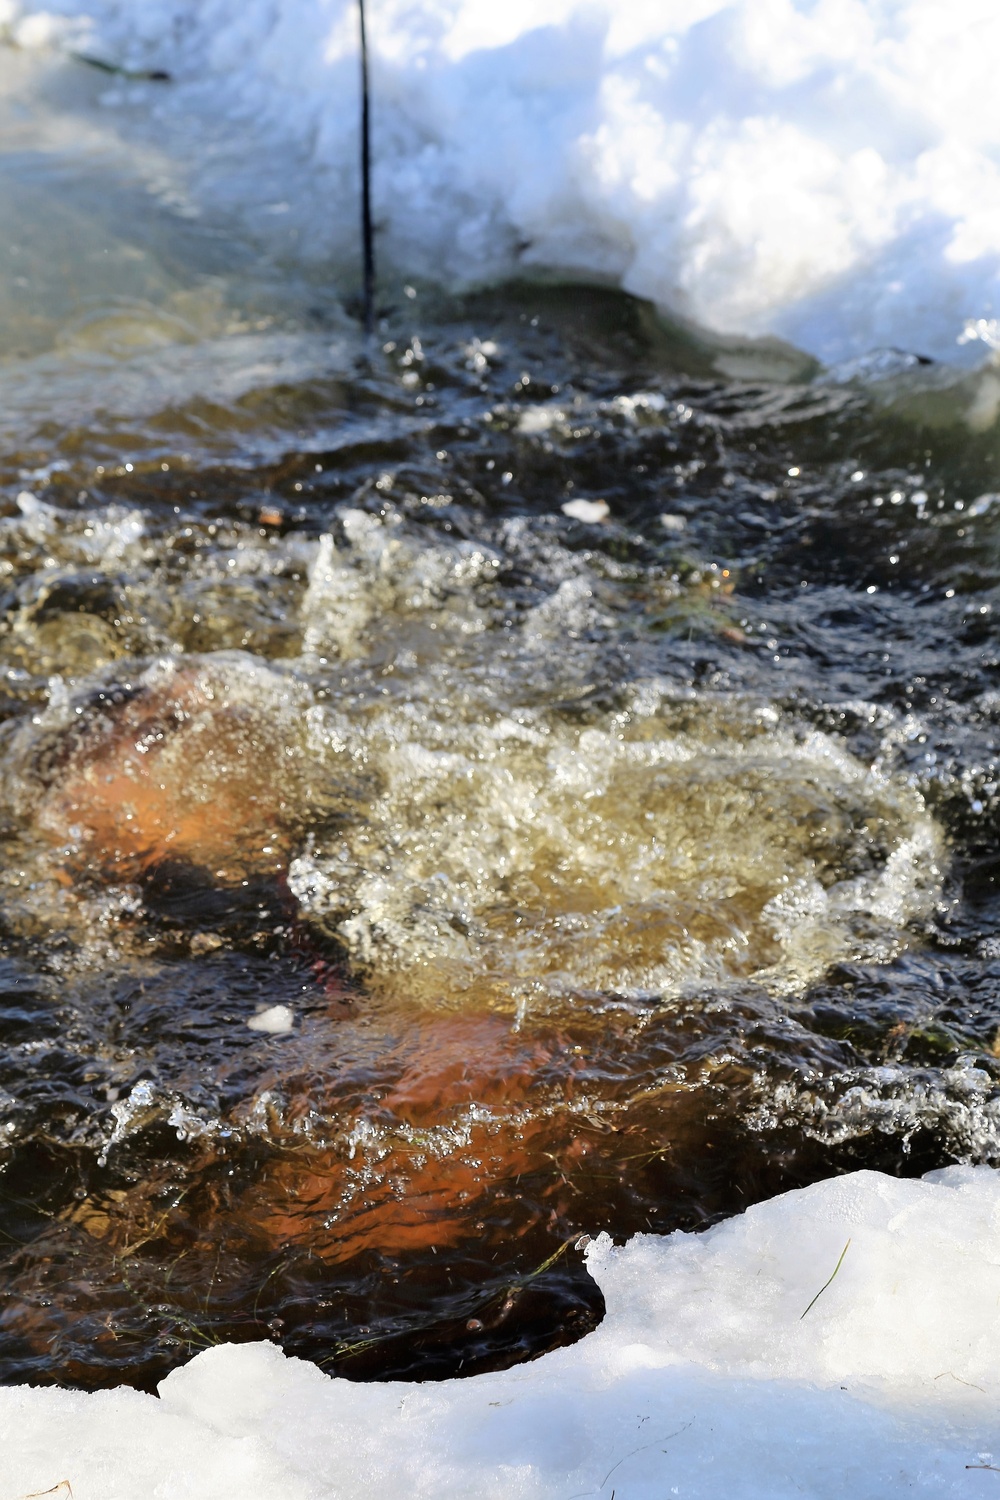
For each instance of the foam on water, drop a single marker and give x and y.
(491, 813)
(521, 857)
(824, 173)
(499, 852)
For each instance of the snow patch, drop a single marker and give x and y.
(827, 173)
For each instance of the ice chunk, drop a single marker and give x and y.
(590, 511)
(276, 1020)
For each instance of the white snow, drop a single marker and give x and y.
(827, 171)
(704, 1380)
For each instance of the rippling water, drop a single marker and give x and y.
(403, 877)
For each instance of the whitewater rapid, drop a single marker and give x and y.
(823, 173)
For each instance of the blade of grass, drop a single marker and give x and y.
(827, 1283)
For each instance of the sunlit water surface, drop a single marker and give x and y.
(402, 877)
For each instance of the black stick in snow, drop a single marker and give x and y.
(367, 238)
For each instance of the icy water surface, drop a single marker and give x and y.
(402, 877)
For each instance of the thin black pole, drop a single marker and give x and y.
(367, 238)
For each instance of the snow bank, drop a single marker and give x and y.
(705, 1379)
(822, 170)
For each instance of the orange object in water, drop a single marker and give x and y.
(414, 1177)
(180, 769)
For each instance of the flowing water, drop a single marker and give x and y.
(403, 877)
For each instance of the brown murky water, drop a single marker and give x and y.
(402, 877)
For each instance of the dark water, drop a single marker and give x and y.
(614, 875)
